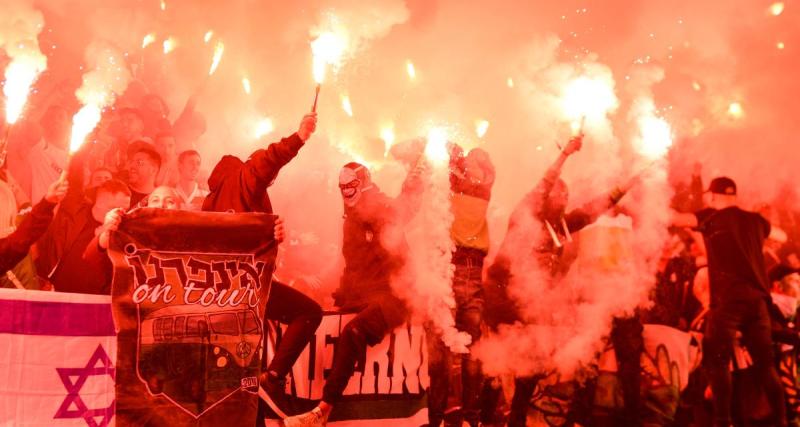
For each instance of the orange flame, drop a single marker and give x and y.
(108, 78)
(219, 49)
(656, 137)
(83, 123)
(481, 127)
(436, 148)
(327, 49)
(169, 45)
(588, 97)
(346, 106)
(735, 110)
(776, 8)
(388, 137)
(148, 40)
(20, 74)
(412, 72)
(264, 127)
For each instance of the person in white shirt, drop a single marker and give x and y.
(165, 145)
(188, 188)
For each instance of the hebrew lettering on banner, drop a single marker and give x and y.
(188, 296)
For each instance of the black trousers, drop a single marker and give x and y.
(303, 315)
(751, 317)
(523, 392)
(626, 335)
(373, 322)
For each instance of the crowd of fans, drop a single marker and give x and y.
(138, 158)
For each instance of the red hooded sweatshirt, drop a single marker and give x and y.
(242, 186)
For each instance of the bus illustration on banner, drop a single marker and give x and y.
(196, 356)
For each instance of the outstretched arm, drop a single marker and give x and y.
(14, 247)
(696, 188)
(542, 190)
(683, 220)
(589, 212)
(536, 198)
(408, 203)
(263, 166)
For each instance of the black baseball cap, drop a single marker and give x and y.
(722, 185)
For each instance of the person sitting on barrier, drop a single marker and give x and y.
(15, 246)
(374, 249)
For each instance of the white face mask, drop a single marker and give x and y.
(351, 187)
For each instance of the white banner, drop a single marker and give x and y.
(57, 355)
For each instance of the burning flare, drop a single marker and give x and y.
(169, 45)
(655, 134)
(436, 148)
(148, 40)
(576, 126)
(107, 79)
(481, 126)
(388, 137)
(327, 49)
(735, 110)
(26, 61)
(207, 37)
(264, 127)
(587, 97)
(246, 85)
(21, 73)
(412, 72)
(83, 123)
(346, 106)
(219, 49)
(656, 137)
(776, 8)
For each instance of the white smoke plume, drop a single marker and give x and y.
(357, 25)
(20, 25)
(564, 322)
(429, 290)
(107, 78)
(507, 63)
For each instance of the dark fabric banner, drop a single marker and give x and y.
(189, 293)
(388, 387)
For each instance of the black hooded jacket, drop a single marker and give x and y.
(374, 245)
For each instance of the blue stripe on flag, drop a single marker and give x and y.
(55, 318)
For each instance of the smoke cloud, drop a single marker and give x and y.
(108, 77)
(508, 64)
(429, 291)
(19, 27)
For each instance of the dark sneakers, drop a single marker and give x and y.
(272, 390)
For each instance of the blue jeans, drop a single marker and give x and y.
(456, 379)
